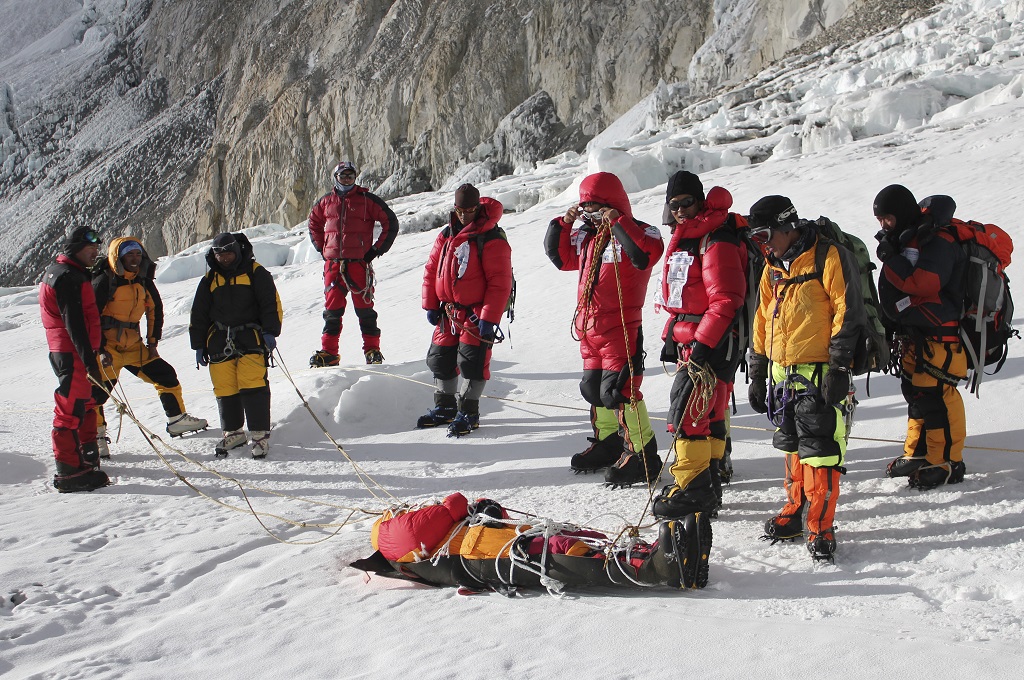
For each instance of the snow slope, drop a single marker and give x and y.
(152, 578)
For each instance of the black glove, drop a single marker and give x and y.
(757, 395)
(202, 358)
(370, 254)
(757, 392)
(836, 384)
(486, 328)
(885, 251)
(434, 316)
(699, 353)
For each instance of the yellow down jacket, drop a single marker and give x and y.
(807, 316)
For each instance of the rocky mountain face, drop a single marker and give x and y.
(177, 119)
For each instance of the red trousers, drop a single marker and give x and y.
(74, 412)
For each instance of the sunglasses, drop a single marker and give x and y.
(591, 207)
(220, 250)
(466, 211)
(682, 203)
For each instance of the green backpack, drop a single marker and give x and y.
(873, 348)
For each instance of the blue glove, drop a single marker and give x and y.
(434, 316)
(202, 358)
(486, 328)
(270, 341)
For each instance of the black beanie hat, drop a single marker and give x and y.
(684, 182)
(80, 238)
(467, 196)
(898, 201)
(774, 212)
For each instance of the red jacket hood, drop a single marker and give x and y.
(604, 187)
(714, 215)
(490, 213)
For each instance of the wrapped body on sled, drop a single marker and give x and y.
(477, 546)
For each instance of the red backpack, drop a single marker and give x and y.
(988, 308)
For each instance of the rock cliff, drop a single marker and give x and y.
(178, 119)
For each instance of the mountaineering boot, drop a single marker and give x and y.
(70, 479)
(725, 468)
(230, 440)
(822, 546)
(931, 476)
(600, 454)
(444, 411)
(904, 466)
(373, 356)
(630, 468)
(91, 455)
(463, 424)
(687, 544)
(185, 424)
(467, 419)
(260, 443)
(715, 467)
(676, 503)
(322, 359)
(102, 441)
(783, 528)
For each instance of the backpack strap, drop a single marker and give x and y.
(489, 235)
(820, 253)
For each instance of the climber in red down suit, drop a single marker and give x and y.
(614, 254)
(341, 226)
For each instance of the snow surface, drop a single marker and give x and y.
(151, 578)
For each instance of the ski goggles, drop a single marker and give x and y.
(681, 204)
(92, 237)
(760, 235)
(783, 221)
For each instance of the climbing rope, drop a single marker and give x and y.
(155, 441)
(583, 305)
(367, 481)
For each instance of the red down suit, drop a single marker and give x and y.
(703, 286)
(341, 227)
(458, 272)
(71, 320)
(420, 531)
(623, 262)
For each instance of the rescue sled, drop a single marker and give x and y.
(477, 547)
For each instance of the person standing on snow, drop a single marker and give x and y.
(614, 255)
(236, 318)
(467, 282)
(920, 287)
(341, 226)
(72, 324)
(125, 290)
(805, 333)
(703, 287)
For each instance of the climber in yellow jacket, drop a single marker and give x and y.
(125, 292)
